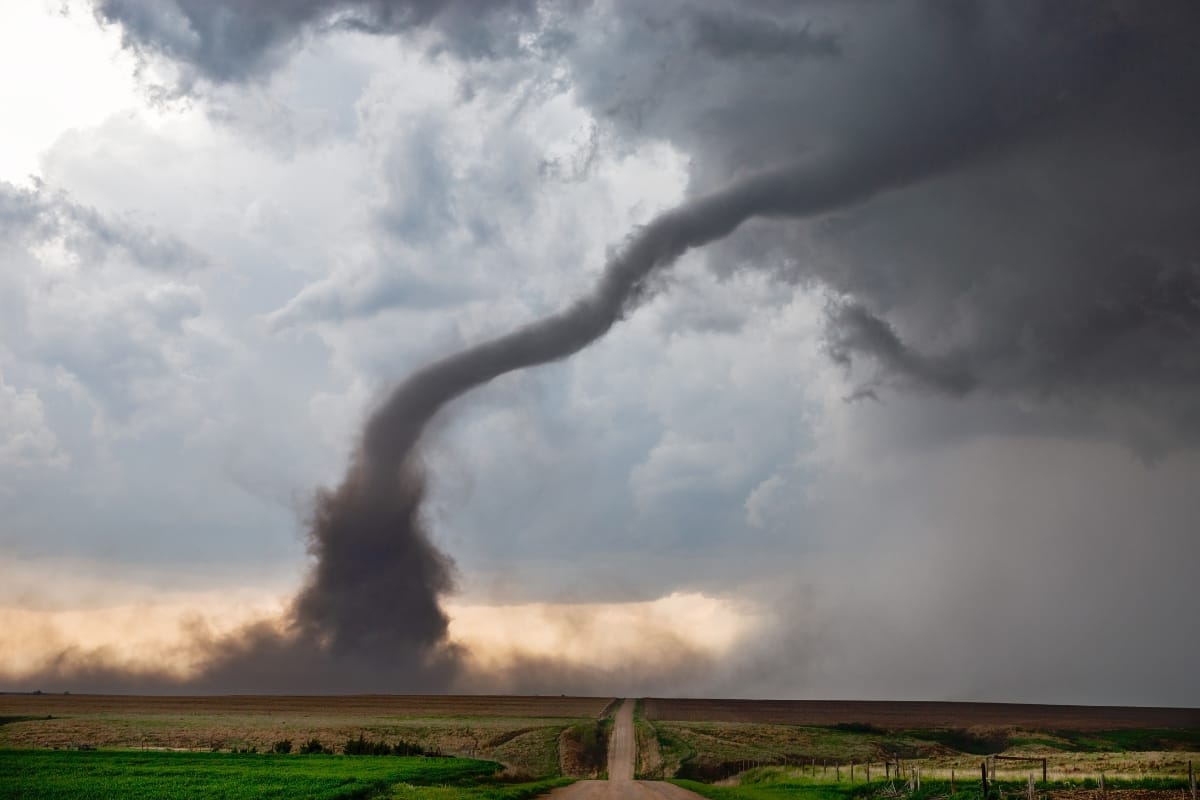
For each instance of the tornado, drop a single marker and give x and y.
(375, 587)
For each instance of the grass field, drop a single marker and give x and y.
(778, 783)
(55, 775)
(522, 733)
(710, 740)
(738, 749)
(712, 750)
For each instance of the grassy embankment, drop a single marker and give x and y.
(59, 775)
(583, 748)
(780, 783)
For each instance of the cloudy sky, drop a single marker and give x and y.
(919, 419)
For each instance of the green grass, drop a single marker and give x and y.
(59, 775)
(774, 784)
(674, 749)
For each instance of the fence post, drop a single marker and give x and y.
(1192, 779)
(1103, 790)
(868, 772)
(887, 770)
(1032, 796)
(837, 766)
(983, 777)
(852, 772)
(1044, 771)
(918, 777)
(952, 781)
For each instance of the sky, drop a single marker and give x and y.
(900, 400)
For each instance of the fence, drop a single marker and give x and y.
(896, 769)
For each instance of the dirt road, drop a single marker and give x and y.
(622, 750)
(622, 747)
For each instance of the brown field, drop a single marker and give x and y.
(914, 715)
(344, 705)
(523, 733)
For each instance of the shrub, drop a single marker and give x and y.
(363, 747)
(312, 746)
(282, 746)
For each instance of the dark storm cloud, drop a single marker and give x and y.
(231, 40)
(854, 329)
(726, 35)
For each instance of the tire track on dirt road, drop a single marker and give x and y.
(622, 753)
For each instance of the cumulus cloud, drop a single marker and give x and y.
(26, 440)
(39, 216)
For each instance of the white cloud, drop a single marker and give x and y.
(63, 72)
(26, 440)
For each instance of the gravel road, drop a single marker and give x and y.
(622, 750)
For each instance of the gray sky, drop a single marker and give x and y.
(925, 427)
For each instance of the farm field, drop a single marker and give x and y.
(530, 736)
(55, 775)
(711, 740)
(778, 783)
(524, 746)
(916, 715)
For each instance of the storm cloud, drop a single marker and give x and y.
(996, 205)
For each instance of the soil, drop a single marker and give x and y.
(40, 705)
